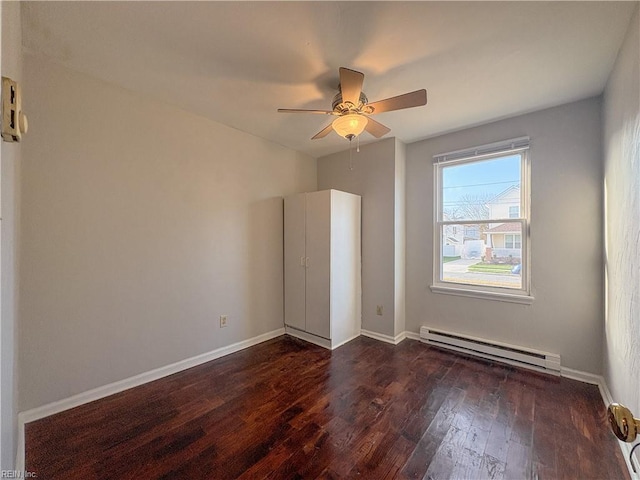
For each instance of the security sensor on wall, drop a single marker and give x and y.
(14, 121)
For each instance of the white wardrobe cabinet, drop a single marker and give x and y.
(322, 286)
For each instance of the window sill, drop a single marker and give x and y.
(482, 294)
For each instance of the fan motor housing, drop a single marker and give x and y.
(342, 107)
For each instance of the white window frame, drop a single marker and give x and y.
(485, 152)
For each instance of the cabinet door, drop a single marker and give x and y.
(318, 247)
(294, 261)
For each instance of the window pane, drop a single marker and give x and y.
(517, 242)
(486, 189)
(514, 211)
(508, 241)
(482, 254)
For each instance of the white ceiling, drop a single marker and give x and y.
(237, 62)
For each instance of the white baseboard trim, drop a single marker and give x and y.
(308, 337)
(127, 383)
(607, 398)
(316, 340)
(384, 338)
(345, 341)
(412, 335)
(581, 376)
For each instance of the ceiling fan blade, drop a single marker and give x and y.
(408, 100)
(296, 110)
(351, 85)
(323, 133)
(376, 128)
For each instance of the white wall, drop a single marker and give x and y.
(400, 226)
(622, 224)
(140, 225)
(10, 170)
(373, 179)
(566, 243)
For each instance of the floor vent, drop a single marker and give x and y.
(511, 354)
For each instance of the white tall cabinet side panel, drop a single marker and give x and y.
(346, 290)
(318, 230)
(294, 255)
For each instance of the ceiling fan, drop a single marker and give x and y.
(353, 110)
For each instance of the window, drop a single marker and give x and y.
(483, 192)
(512, 241)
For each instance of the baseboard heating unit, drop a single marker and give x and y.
(490, 350)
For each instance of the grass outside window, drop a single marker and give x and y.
(450, 259)
(490, 268)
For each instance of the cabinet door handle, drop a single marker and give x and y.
(306, 262)
(302, 263)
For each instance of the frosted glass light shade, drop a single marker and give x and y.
(351, 124)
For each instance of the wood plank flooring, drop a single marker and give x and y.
(286, 409)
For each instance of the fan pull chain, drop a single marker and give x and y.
(358, 144)
(350, 154)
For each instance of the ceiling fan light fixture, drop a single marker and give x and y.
(352, 108)
(350, 124)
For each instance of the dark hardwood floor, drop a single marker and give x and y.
(288, 409)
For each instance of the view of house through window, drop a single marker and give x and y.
(481, 223)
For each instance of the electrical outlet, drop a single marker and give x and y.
(223, 321)
(378, 309)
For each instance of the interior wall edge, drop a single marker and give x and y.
(621, 204)
(12, 154)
